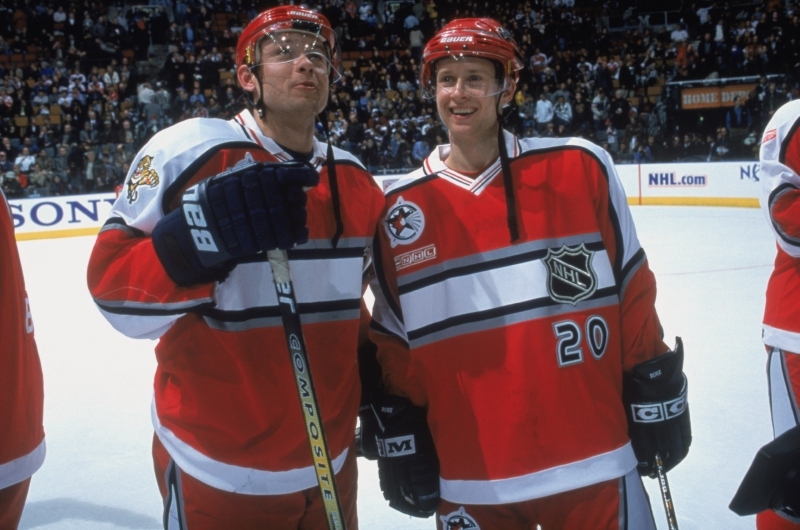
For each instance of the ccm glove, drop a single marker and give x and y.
(654, 395)
(408, 467)
(231, 217)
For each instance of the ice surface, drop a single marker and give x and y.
(712, 265)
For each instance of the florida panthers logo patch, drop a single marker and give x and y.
(459, 520)
(570, 277)
(404, 223)
(144, 175)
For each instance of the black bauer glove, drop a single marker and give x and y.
(408, 467)
(225, 219)
(654, 394)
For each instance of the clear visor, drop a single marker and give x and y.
(476, 83)
(279, 47)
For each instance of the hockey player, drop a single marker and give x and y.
(780, 201)
(22, 448)
(182, 259)
(515, 313)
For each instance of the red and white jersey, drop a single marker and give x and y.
(22, 447)
(226, 405)
(516, 349)
(780, 201)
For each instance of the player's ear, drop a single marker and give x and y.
(247, 78)
(508, 93)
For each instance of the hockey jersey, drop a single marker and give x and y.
(780, 201)
(516, 349)
(225, 404)
(22, 446)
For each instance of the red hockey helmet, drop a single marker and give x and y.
(283, 18)
(470, 37)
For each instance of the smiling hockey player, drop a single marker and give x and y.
(515, 313)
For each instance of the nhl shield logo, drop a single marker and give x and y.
(404, 223)
(570, 277)
(459, 520)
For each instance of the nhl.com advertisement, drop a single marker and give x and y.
(677, 184)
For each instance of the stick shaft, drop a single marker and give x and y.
(287, 301)
(666, 494)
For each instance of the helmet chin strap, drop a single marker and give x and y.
(332, 180)
(508, 184)
(259, 105)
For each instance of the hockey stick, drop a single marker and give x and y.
(666, 495)
(287, 302)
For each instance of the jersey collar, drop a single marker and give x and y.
(435, 164)
(248, 124)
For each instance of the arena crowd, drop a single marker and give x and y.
(83, 84)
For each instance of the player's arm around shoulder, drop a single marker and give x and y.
(779, 159)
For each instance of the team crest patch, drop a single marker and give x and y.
(404, 223)
(144, 175)
(570, 277)
(459, 520)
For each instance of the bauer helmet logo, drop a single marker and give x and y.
(570, 276)
(459, 520)
(404, 223)
(144, 175)
(456, 39)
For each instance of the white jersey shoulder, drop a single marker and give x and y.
(778, 178)
(406, 179)
(341, 154)
(163, 159)
(528, 145)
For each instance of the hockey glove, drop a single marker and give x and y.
(773, 480)
(654, 395)
(369, 372)
(408, 467)
(233, 216)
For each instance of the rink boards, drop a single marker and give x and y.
(680, 184)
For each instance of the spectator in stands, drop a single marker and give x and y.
(679, 33)
(88, 135)
(527, 111)
(600, 110)
(39, 179)
(619, 112)
(739, 122)
(61, 163)
(5, 164)
(95, 173)
(562, 113)
(25, 159)
(420, 150)
(581, 115)
(719, 148)
(75, 168)
(544, 112)
(399, 151)
(354, 134)
(8, 148)
(58, 186)
(11, 184)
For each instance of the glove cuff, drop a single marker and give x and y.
(175, 250)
